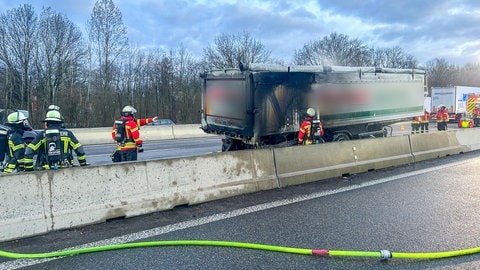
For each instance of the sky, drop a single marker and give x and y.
(427, 29)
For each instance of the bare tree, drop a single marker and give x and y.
(186, 85)
(230, 49)
(440, 73)
(392, 58)
(335, 49)
(468, 75)
(107, 35)
(60, 59)
(18, 30)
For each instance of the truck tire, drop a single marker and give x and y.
(232, 145)
(341, 137)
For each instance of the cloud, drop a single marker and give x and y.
(426, 29)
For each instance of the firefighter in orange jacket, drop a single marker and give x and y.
(424, 120)
(126, 133)
(476, 115)
(416, 124)
(442, 118)
(311, 130)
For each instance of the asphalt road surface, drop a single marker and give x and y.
(424, 207)
(100, 154)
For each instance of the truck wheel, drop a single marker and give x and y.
(341, 137)
(231, 145)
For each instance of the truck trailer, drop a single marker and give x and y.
(455, 99)
(262, 105)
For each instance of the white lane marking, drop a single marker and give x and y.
(16, 264)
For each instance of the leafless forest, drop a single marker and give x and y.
(46, 59)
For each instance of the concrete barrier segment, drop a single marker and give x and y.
(102, 135)
(25, 203)
(210, 177)
(89, 136)
(302, 164)
(378, 153)
(189, 131)
(155, 133)
(38, 202)
(89, 195)
(469, 137)
(434, 145)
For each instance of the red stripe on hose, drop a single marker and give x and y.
(321, 252)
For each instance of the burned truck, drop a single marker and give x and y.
(259, 105)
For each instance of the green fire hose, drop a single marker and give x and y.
(382, 254)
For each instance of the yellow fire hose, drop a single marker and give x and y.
(382, 254)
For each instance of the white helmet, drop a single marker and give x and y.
(53, 108)
(128, 110)
(311, 112)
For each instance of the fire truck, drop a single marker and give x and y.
(261, 105)
(455, 99)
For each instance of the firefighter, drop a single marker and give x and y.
(18, 124)
(311, 131)
(424, 120)
(442, 118)
(416, 125)
(54, 107)
(53, 144)
(126, 134)
(476, 115)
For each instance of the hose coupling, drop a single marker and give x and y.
(385, 254)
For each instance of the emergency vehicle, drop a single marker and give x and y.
(454, 98)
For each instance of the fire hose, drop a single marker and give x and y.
(382, 254)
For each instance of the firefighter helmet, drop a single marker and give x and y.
(311, 112)
(53, 116)
(16, 118)
(53, 108)
(128, 110)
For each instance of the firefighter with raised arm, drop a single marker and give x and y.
(17, 123)
(442, 117)
(125, 132)
(476, 115)
(311, 130)
(53, 144)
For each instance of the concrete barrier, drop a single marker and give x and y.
(469, 137)
(154, 133)
(38, 202)
(189, 131)
(102, 135)
(434, 145)
(205, 178)
(88, 136)
(301, 164)
(24, 203)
